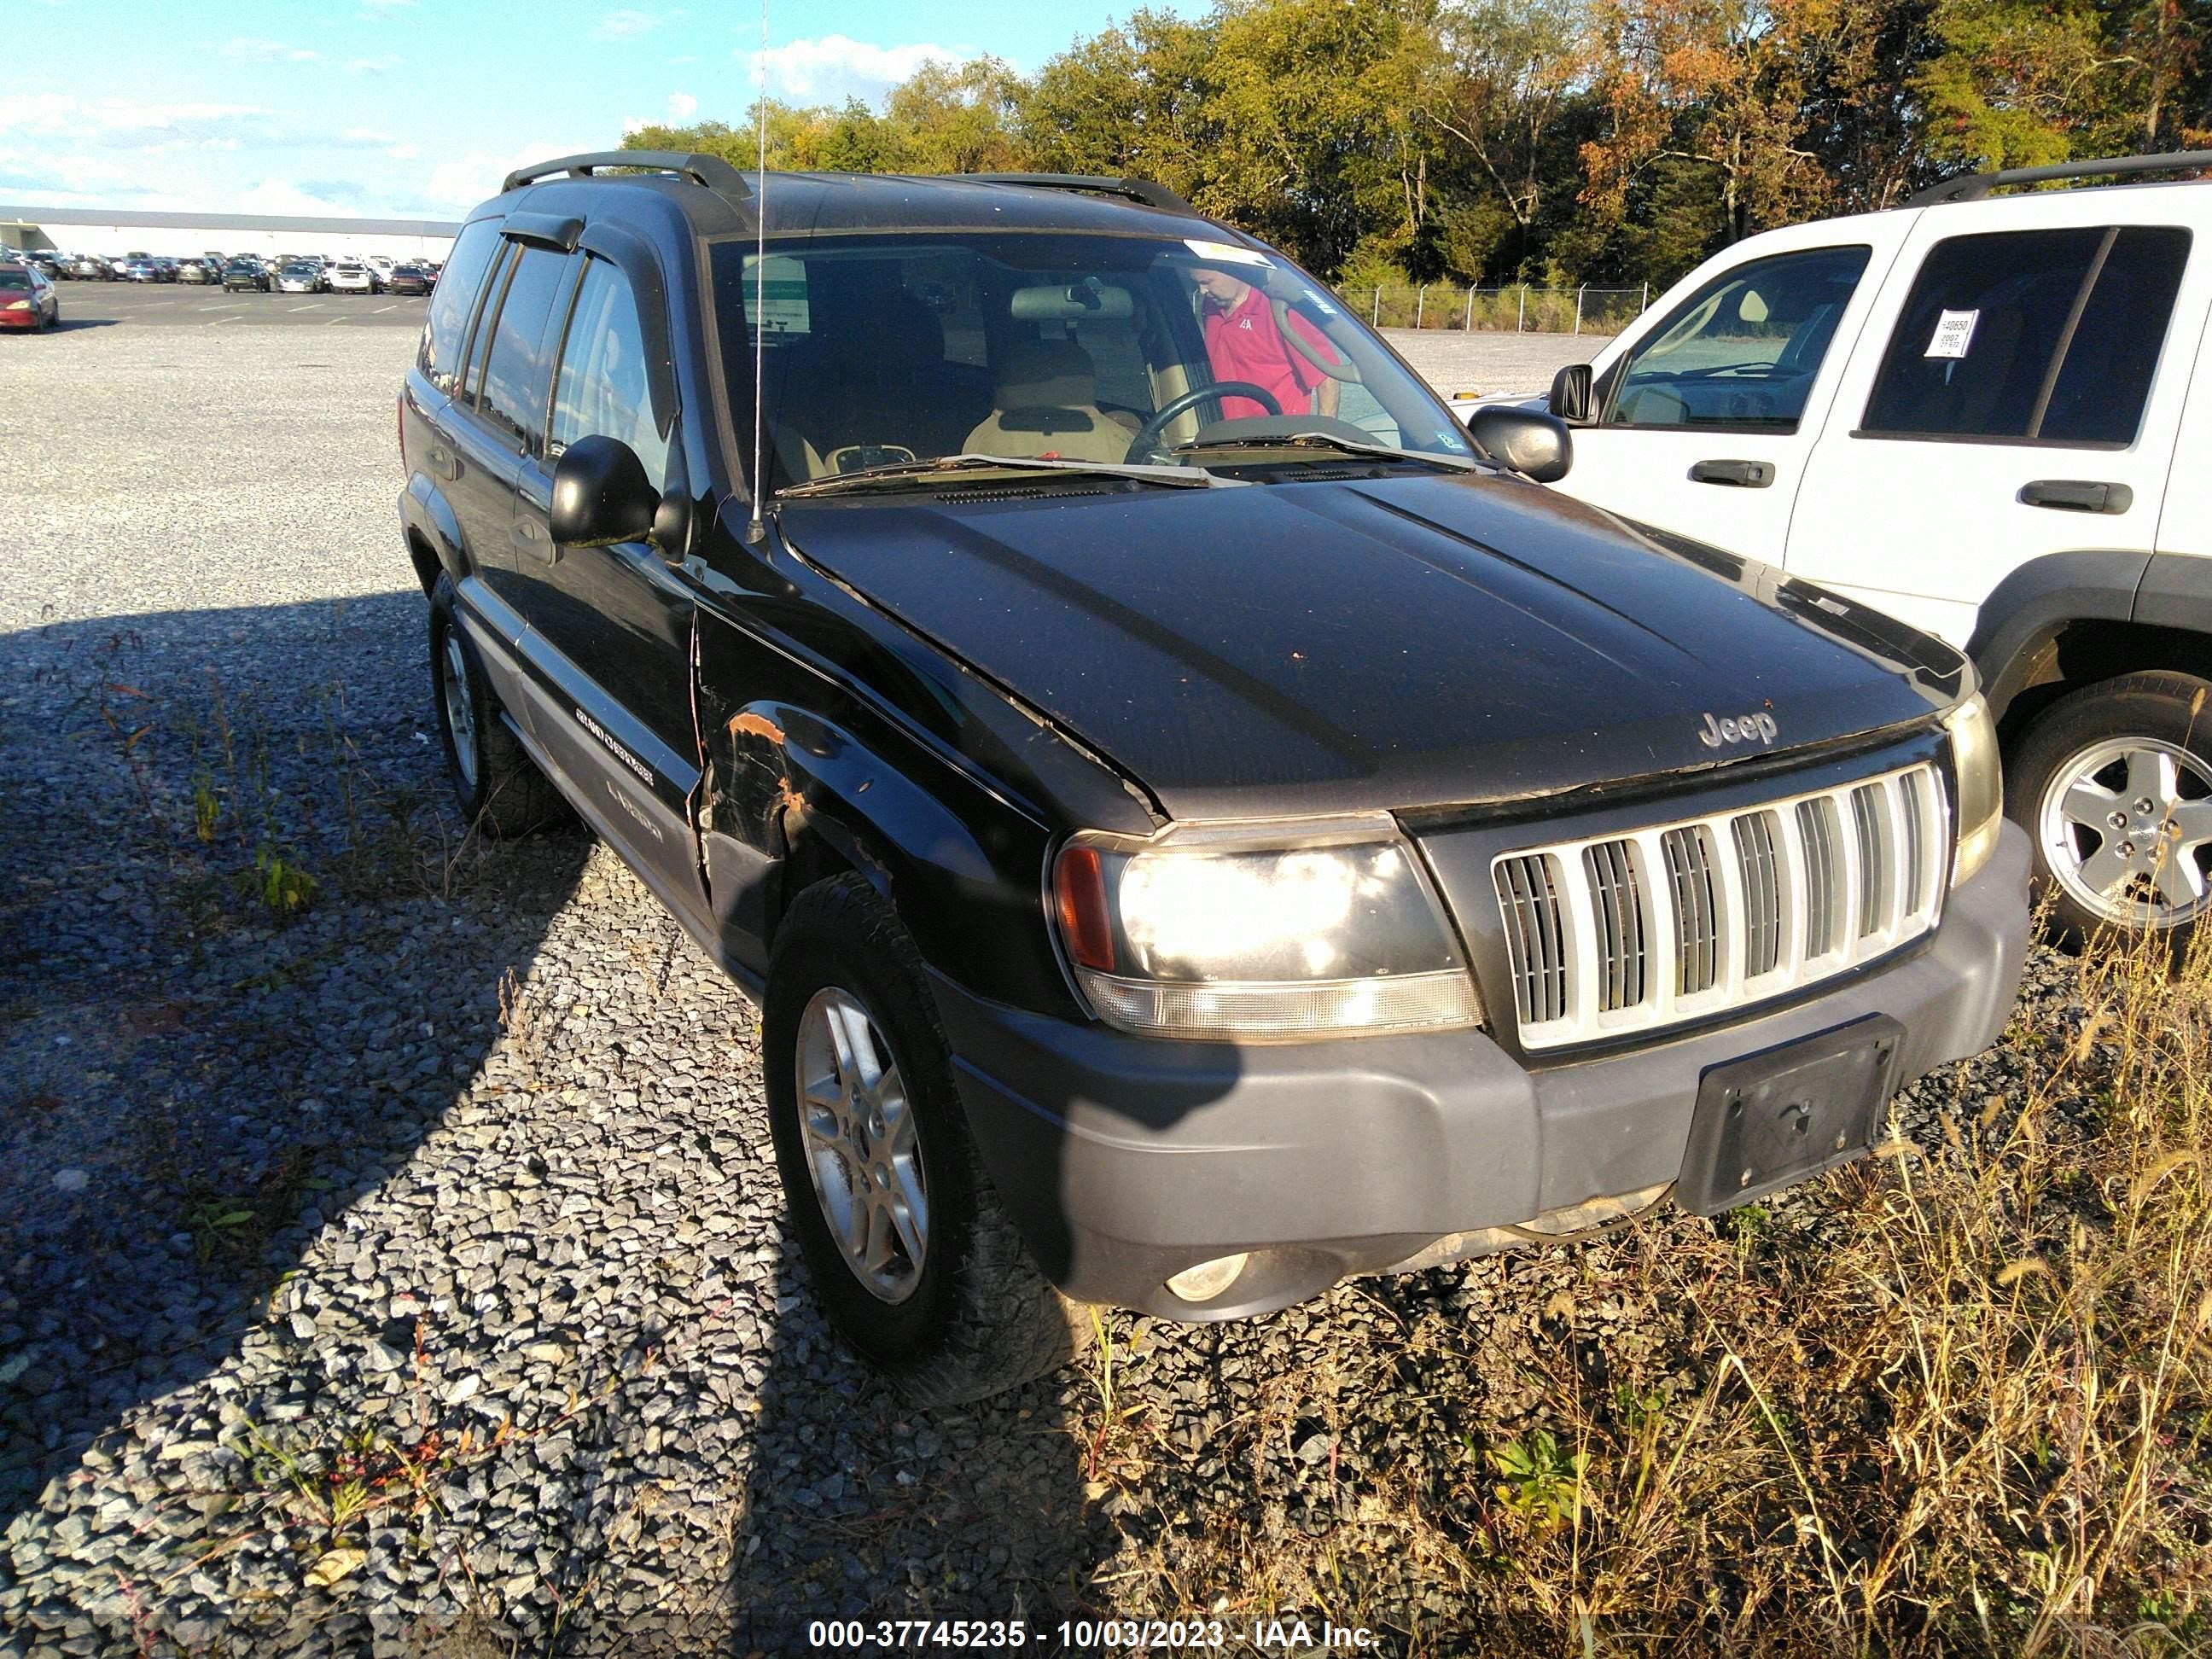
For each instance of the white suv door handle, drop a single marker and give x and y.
(1743, 475)
(2078, 495)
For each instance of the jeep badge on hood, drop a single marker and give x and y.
(1741, 729)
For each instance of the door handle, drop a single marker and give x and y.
(2078, 495)
(532, 536)
(442, 461)
(1743, 475)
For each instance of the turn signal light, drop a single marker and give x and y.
(1079, 885)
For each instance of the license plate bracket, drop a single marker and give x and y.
(1771, 1119)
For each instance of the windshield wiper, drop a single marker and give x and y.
(1179, 477)
(1330, 440)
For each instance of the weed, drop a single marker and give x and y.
(1538, 1481)
(280, 887)
(215, 1223)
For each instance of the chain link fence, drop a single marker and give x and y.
(1521, 309)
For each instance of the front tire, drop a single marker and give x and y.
(500, 787)
(913, 1258)
(2113, 784)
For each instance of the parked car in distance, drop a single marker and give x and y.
(352, 279)
(1188, 848)
(410, 279)
(299, 277)
(198, 270)
(89, 268)
(28, 301)
(142, 270)
(244, 274)
(1977, 412)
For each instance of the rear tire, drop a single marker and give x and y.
(2113, 785)
(500, 787)
(913, 1258)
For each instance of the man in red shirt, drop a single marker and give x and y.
(1243, 342)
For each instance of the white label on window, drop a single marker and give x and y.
(1954, 332)
(1225, 253)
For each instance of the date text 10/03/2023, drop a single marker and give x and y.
(1263, 1636)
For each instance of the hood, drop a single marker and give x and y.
(1327, 646)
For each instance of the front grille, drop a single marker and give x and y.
(1682, 921)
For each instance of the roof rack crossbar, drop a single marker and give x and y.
(1137, 190)
(712, 170)
(1973, 187)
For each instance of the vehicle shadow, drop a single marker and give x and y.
(259, 993)
(246, 966)
(66, 323)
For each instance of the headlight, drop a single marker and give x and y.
(1330, 930)
(1981, 786)
(19, 305)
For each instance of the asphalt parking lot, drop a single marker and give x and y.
(180, 305)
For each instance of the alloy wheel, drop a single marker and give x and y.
(460, 706)
(861, 1145)
(2122, 824)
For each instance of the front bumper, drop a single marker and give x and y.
(1125, 1160)
(26, 320)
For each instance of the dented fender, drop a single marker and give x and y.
(782, 777)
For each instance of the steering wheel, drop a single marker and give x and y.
(1146, 442)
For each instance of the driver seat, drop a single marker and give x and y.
(1047, 403)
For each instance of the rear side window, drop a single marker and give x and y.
(603, 389)
(1741, 354)
(518, 375)
(2036, 336)
(456, 297)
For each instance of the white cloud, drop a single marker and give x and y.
(378, 8)
(281, 196)
(626, 25)
(837, 67)
(682, 107)
(462, 181)
(363, 135)
(373, 65)
(403, 152)
(261, 50)
(688, 57)
(126, 124)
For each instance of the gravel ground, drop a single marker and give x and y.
(401, 1271)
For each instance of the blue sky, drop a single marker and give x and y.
(417, 107)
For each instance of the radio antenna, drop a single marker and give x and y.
(756, 531)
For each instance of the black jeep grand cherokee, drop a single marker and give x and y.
(1193, 837)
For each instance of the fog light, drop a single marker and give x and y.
(1209, 1279)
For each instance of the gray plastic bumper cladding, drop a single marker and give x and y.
(1125, 1160)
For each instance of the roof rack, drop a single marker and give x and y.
(1137, 190)
(712, 170)
(1973, 187)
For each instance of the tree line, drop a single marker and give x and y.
(1557, 141)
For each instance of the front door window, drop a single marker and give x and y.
(1741, 354)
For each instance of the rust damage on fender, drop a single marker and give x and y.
(747, 724)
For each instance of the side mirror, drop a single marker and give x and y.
(600, 495)
(1535, 445)
(1571, 392)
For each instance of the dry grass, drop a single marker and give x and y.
(1952, 1400)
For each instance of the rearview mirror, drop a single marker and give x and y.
(600, 495)
(1535, 445)
(1571, 392)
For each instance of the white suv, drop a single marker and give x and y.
(1992, 416)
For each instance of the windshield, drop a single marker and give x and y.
(884, 350)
